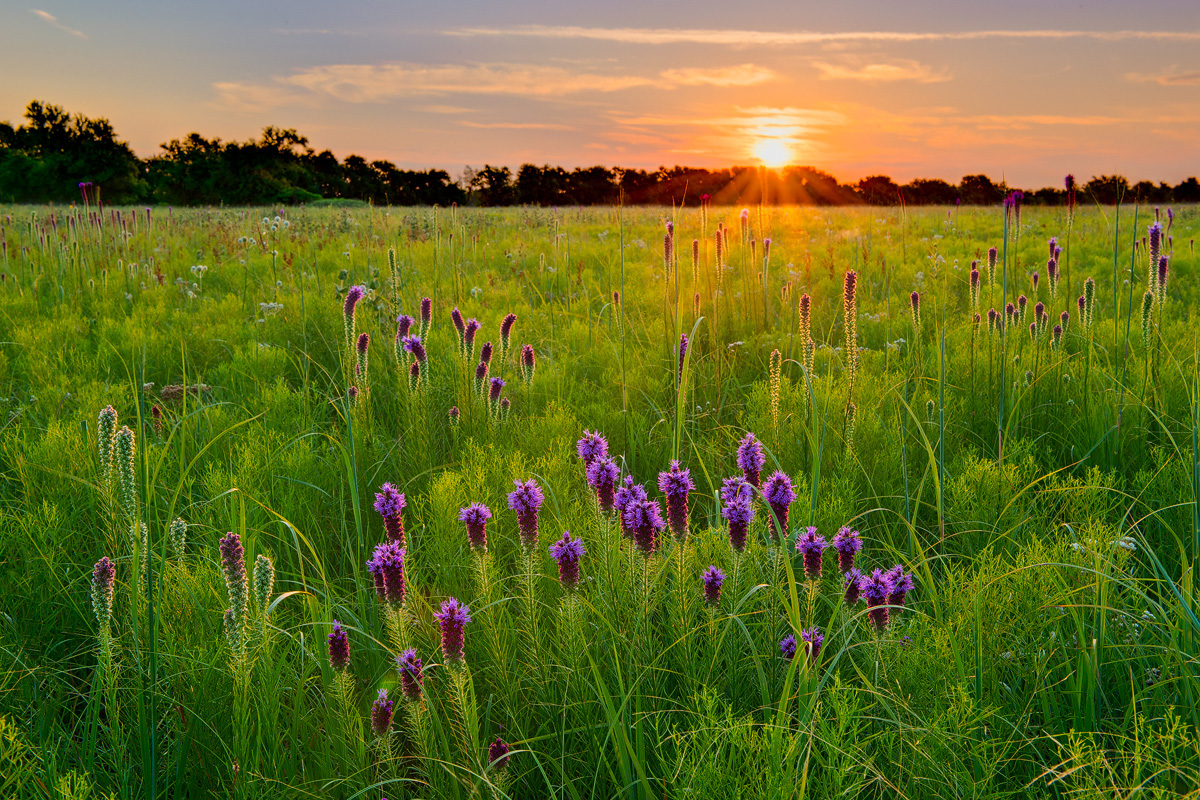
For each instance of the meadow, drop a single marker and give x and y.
(229, 522)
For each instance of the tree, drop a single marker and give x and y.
(879, 190)
(494, 185)
(1107, 189)
(978, 190)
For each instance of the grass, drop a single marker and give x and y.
(1049, 647)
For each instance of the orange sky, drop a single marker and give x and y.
(1017, 90)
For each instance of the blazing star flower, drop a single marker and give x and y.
(853, 582)
(740, 513)
(457, 318)
(506, 330)
(414, 345)
(453, 414)
(103, 576)
(475, 517)
(498, 753)
(787, 646)
(779, 495)
(339, 648)
(602, 475)
(526, 501)
(750, 458)
(876, 590)
(381, 714)
(528, 363)
(847, 544)
(811, 544)
(712, 579)
(590, 447)
(481, 371)
(389, 503)
(353, 295)
(472, 327)
(625, 497)
(902, 584)
(387, 569)
(814, 639)
(233, 563)
(426, 316)
(414, 376)
(914, 300)
(485, 353)
(412, 677)
(644, 521)
(736, 488)
(675, 484)
(453, 619)
(403, 324)
(566, 552)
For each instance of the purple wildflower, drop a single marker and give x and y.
(847, 544)
(353, 295)
(779, 495)
(853, 582)
(481, 371)
(811, 544)
(787, 646)
(712, 579)
(506, 329)
(381, 714)
(411, 675)
(457, 318)
(1163, 266)
(750, 458)
(876, 590)
(403, 325)
(498, 753)
(453, 619)
(387, 570)
(914, 301)
(426, 315)
(475, 517)
(902, 584)
(736, 488)
(472, 327)
(414, 345)
(591, 446)
(389, 503)
(643, 519)
(233, 563)
(103, 576)
(566, 552)
(485, 353)
(602, 475)
(814, 639)
(339, 648)
(629, 494)
(528, 363)
(414, 376)
(453, 414)
(675, 485)
(739, 511)
(526, 501)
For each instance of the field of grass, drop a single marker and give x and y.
(1040, 490)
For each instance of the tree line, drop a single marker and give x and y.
(55, 155)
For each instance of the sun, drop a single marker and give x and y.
(773, 153)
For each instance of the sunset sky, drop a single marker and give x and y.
(1016, 89)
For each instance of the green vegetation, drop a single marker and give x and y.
(1041, 490)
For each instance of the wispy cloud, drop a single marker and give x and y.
(517, 126)
(741, 75)
(53, 20)
(761, 38)
(370, 83)
(1172, 78)
(873, 72)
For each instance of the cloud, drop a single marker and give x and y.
(517, 126)
(763, 38)
(1173, 78)
(53, 20)
(900, 70)
(372, 83)
(741, 75)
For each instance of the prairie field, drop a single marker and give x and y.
(237, 505)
